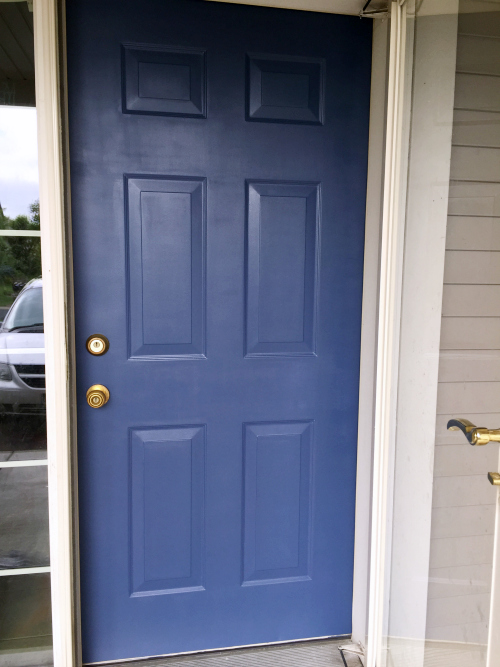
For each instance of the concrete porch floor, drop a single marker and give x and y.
(319, 653)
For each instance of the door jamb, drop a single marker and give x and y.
(50, 63)
(389, 317)
(50, 76)
(369, 318)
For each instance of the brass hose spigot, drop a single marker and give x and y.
(477, 435)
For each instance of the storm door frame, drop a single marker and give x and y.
(378, 320)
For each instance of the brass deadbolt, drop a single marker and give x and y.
(97, 395)
(97, 344)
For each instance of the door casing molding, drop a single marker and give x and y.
(50, 60)
(369, 319)
(59, 328)
(389, 316)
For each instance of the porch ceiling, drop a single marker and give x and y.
(17, 61)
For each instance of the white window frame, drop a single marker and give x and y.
(59, 327)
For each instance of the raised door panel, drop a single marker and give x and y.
(163, 81)
(166, 509)
(166, 266)
(282, 267)
(285, 89)
(277, 502)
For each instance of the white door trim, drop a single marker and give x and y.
(368, 352)
(389, 304)
(57, 317)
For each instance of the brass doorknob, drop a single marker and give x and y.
(97, 395)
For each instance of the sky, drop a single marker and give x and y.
(18, 159)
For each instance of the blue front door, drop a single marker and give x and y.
(218, 176)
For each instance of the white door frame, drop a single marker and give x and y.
(59, 327)
(389, 319)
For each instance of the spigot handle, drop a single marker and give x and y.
(476, 435)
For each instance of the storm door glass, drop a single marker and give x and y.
(442, 604)
(25, 613)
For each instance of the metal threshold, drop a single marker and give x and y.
(313, 653)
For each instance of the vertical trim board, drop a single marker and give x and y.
(49, 51)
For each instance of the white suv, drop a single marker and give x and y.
(22, 354)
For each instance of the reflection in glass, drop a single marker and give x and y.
(25, 620)
(22, 437)
(464, 503)
(443, 530)
(27, 311)
(20, 258)
(24, 522)
(22, 377)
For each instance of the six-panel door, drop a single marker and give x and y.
(218, 173)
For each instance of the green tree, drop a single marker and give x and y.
(7, 270)
(19, 255)
(25, 250)
(4, 219)
(35, 215)
(6, 260)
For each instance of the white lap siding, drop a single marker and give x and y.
(469, 378)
